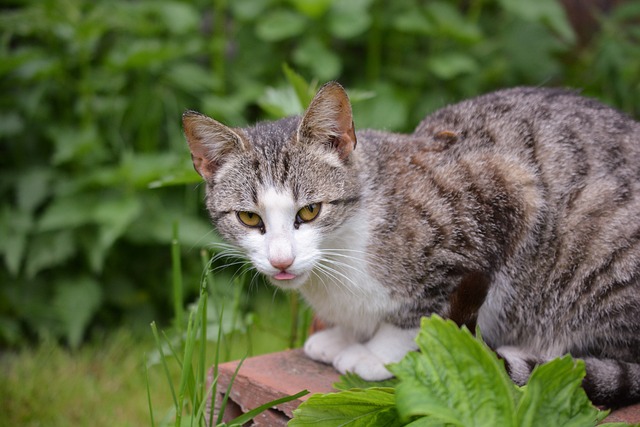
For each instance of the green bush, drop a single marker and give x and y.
(92, 94)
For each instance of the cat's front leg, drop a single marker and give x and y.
(325, 345)
(388, 345)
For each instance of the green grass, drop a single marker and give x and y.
(103, 383)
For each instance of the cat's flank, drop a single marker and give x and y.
(518, 210)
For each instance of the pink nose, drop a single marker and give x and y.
(281, 264)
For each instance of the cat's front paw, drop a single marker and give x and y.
(325, 345)
(359, 359)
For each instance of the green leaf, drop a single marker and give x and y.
(388, 110)
(178, 17)
(451, 23)
(280, 25)
(33, 188)
(448, 66)
(312, 8)
(351, 380)
(280, 102)
(554, 395)
(304, 91)
(350, 18)
(370, 407)
(455, 379)
(15, 227)
(314, 54)
(48, 250)
(113, 217)
(413, 23)
(549, 12)
(75, 302)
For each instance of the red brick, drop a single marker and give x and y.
(265, 378)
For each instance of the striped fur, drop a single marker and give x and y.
(518, 210)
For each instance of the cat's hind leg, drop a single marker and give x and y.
(608, 382)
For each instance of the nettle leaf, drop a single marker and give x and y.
(549, 12)
(75, 302)
(350, 18)
(280, 102)
(351, 380)
(280, 25)
(312, 8)
(554, 395)
(357, 407)
(49, 249)
(455, 379)
(313, 53)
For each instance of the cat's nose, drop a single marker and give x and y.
(281, 263)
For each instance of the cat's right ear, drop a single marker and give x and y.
(209, 141)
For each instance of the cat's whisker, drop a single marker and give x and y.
(336, 275)
(368, 258)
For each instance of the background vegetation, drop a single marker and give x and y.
(94, 171)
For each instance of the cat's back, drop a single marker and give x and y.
(570, 141)
(538, 185)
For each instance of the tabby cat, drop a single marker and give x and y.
(518, 210)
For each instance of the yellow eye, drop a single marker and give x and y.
(250, 219)
(308, 213)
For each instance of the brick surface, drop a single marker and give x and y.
(264, 378)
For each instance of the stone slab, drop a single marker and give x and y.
(268, 377)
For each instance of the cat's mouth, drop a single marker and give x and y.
(287, 280)
(284, 275)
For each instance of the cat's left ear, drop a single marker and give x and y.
(329, 120)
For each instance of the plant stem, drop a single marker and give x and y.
(177, 279)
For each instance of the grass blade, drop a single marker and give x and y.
(146, 377)
(216, 362)
(154, 329)
(187, 374)
(178, 302)
(248, 416)
(226, 395)
(174, 353)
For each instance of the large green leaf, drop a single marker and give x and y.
(49, 249)
(455, 379)
(549, 12)
(354, 408)
(554, 395)
(76, 301)
(351, 380)
(280, 24)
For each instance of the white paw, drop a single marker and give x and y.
(325, 345)
(358, 359)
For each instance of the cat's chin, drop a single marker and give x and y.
(289, 282)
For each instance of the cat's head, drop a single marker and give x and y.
(280, 190)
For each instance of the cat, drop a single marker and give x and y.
(518, 210)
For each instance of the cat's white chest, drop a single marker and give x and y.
(342, 289)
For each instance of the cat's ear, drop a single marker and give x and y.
(329, 120)
(209, 141)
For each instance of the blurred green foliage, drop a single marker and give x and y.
(92, 92)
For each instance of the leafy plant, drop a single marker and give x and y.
(456, 380)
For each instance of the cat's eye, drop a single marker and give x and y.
(308, 213)
(250, 219)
